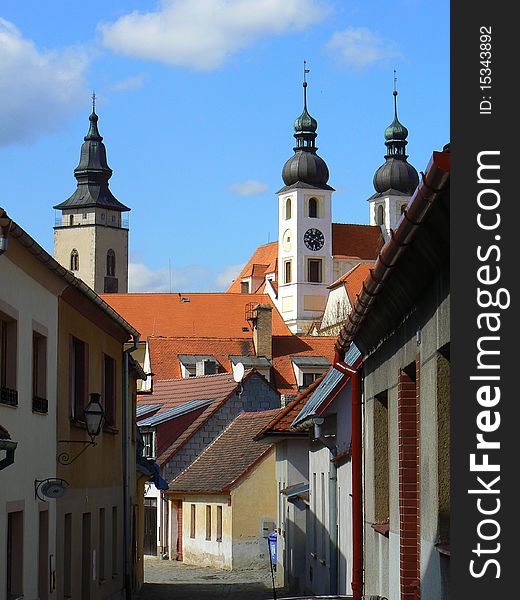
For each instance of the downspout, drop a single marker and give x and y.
(333, 507)
(127, 461)
(357, 490)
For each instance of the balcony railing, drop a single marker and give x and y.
(8, 396)
(106, 220)
(40, 405)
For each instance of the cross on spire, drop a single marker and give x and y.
(305, 71)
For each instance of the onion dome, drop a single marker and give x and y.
(92, 174)
(305, 166)
(396, 174)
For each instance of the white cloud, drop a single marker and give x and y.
(193, 278)
(39, 88)
(249, 188)
(360, 47)
(202, 34)
(130, 83)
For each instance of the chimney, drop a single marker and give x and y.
(263, 330)
(205, 367)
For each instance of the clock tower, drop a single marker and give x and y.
(91, 234)
(304, 229)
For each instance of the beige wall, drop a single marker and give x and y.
(95, 478)
(27, 293)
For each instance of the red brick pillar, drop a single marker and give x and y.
(408, 426)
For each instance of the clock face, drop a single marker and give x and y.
(314, 239)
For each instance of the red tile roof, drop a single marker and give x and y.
(353, 280)
(204, 316)
(356, 241)
(263, 261)
(226, 462)
(281, 422)
(166, 365)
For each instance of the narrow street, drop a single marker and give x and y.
(175, 580)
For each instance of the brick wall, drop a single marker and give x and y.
(408, 427)
(257, 395)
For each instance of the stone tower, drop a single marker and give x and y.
(304, 229)
(91, 235)
(395, 181)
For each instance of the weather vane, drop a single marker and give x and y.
(395, 82)
(305, 71)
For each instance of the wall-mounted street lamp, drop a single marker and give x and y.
(94, 415)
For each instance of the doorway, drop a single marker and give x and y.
(150, 526)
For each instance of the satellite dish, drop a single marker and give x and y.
(238, 372)
(53, 488)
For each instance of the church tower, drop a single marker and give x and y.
(91, 235)
(304, 229)
(395, 181)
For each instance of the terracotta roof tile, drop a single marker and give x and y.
(232, 455)
(353, 280)
(203, 316)
(281, 422)
(264, 256)
(166, 365)
(356, 241)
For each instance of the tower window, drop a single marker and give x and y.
(380, 214)
(314, 270)
(111, 263)
(71, 220)
(288, 209)
(403, 208)
(313, 208)
(74, 259)
(287, 271)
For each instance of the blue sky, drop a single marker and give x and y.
(197, 99)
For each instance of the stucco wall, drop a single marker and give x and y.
(34, 306)
(431, 318)
(254, 504)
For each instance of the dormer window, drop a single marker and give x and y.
(74, 259)
(111, 263)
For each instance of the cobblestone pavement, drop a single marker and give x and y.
(176, 581)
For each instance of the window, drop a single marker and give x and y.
(71, 220)
(115, 541)
(208, 522)
(43, 555)
(287, 209)
(40, 403)
(219, 523)
(314, 270)
(74, 260)
(14, 568)
(323, 518)
(149, 444)
(67, 556)
(380, 215)
(309, 378)
(111, 263)
(244, 287)
(381, 460)
(8, 352)
(109, 390)
(101, 559)
(78, 377)
(313, 207)
(287, 271)
(192, 521)
(403, 208)
(314, 495)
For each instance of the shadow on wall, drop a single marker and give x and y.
(209, 591)
(436, 577)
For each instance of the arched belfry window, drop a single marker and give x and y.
(380, 214)
(71, 220)
(74, 260)
(313, 207)
(111, 263)
(403, 208)
(288, 208)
